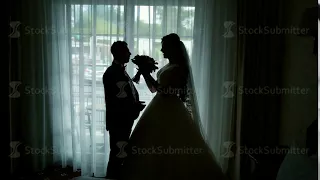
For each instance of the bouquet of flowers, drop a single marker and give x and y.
(145, 64)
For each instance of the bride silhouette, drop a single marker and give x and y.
(167, 142)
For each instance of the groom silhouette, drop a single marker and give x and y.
(122, 105)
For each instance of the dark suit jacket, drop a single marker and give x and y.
(120, 102)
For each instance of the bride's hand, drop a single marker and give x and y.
(141, 70)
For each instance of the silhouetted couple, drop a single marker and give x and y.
(167, 142)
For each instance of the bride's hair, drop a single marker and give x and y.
(173, 37)
(174, 41)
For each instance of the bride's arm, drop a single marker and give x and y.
(151, 82)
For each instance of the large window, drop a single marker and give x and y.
(95, 27)
(93, 30)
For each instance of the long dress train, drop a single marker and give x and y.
(165, 144)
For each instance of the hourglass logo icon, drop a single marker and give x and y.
(14, 26)
(229, 153)
(14, 85)
(228, 85)
(121, 145)
(121, 85)
(228, 25)
(14, 146)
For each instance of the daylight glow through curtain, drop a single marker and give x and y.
(81, 53)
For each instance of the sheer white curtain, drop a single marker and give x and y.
(85, 30)
(214, 67)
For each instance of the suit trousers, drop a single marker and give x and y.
(118, 136)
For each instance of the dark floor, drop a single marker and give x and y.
(51, 173)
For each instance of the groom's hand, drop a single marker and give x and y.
(140, 105)
(137, 108)
(143, 70)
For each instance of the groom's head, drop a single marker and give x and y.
(120, 51)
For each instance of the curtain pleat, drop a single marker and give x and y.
(71, 59)
(261, 57)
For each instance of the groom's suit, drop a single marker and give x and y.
(121, 111)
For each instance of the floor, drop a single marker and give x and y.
(88, 178)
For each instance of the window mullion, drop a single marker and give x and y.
(93, 121)
(129, 29)
(179, 23)
(164, 19)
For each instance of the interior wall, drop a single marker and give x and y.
(299, 71)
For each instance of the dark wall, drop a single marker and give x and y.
(300, 70)
(12, 73)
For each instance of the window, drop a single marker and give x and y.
(93, 30)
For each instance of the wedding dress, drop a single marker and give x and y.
(166, 144)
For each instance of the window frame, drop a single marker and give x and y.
(136, 3)
(130, 8)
